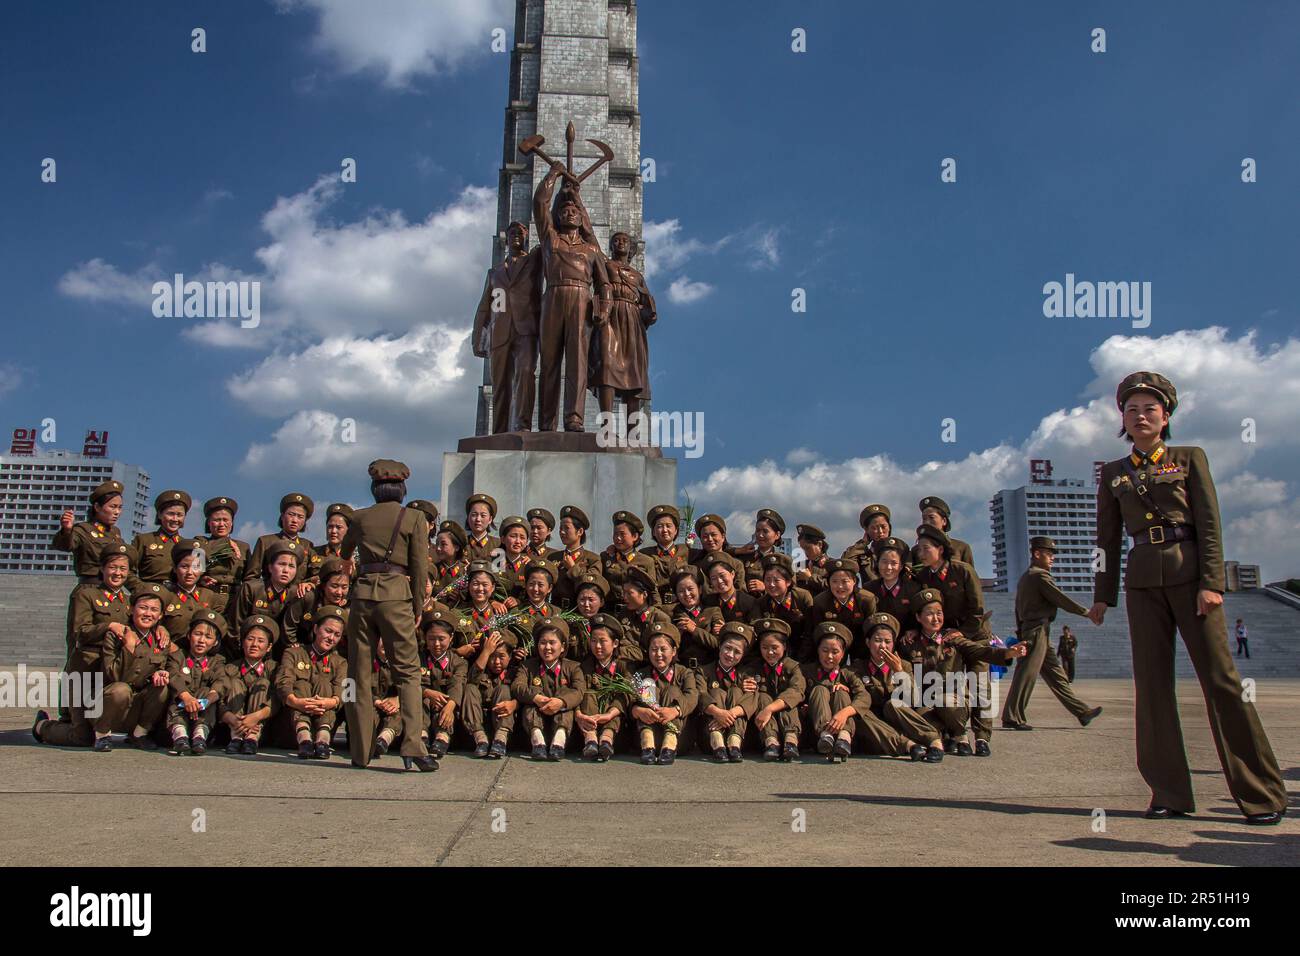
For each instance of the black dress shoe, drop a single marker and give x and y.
(40, 716)
(666, 756)
(236, 745)
(539, 752)
(842, 750)
(556, 752)
(720, 754)
(606, 751)
(379, 749)
(481, 749)
(772, 751)
(306, 750)
(1269, 819)
(734, 755)
(497, 750)
(950, 747)
(322, 751)
(916, 752)
(1090, 716)
(982, 749)
(180, 746)
(934, 755)
(250, 746)
(963, 749)
(439, 748)
(1163, 813)
(590, 750)
(790, 752)
(1013, 725)
(825, 744)
(141, 742)
(426, 764)
(103, 745)
(647, 755)
(199, 746)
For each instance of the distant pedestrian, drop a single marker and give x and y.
(1242, 646)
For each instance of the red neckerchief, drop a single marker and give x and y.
(606, 668)
(202, 664)
(257, 668)
(832, 676)
(553, 670)
(768, 671)
(729, 675)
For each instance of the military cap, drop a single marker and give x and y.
(880, 619)
(810, 532)
(592, 580)
(148, 590)
(278, 547)
(106, 490)
(610, 623)
(443, 616)
(330, 612)
(892, 544)
(937, 503)
(770, 516)
(935, 535)
(330, 567)
(339, 508)
(701, 521)
(847, 565)
(833, 629)
(542, 515)
(926, 596)
(114, 549)
(736, 629)
(476, 566)
(513, 521)
(638, 577)
(172, 497)
(1041, 542)
(686, 571)
(264, 621)
(662, 627)
(663, 511)
(516, 224)
(385, 469)
(780, 562)
(772, 625)
(870, 511)
(576, 515)
(629, 519)
(217, 504)
(726, 560)
(554, 623)
(299, 499)
(208, 616)
(488, 500)
(1148, 382)
(186, 546)
(453, 528)
(541, 564)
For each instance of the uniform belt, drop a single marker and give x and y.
(382, 567)
(576, 283)
(634, 299)
(1162, 535)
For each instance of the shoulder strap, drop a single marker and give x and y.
(397, 527)
(1144, 495)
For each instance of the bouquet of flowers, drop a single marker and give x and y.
(608, 686)
(457, 585)
(688, 522)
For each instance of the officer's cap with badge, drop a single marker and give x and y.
(428, 507)
(592, 580)
(609, 623)
(513, 521)
(833, 629)
(1152, 382)
(148, 591)
(457, 533)
(344, 511)
(772, 625)
(278, 547)
(207, 616)
(878, 620)
(220, 504)
(737, 630)
(299, 499)
(629, 519)
(480, 498)
(105, 490)
(262, 621)
(552, 623)
(870, 511)
(933, 534)
(576, 515)
(114, 550)
(772, 518)
(542, 515)
(172, 497)
(663, 628)
(663, 511)
(844, 565)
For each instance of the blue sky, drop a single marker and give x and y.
(779, 170)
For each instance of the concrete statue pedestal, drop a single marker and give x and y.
(548, 470)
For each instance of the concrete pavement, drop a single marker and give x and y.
(1032, 803)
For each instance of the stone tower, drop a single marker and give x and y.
(572, 60)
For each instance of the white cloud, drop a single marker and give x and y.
(666, 249)
(311, 443)
(100, 281)
(767, 249)
(250, 531)
(683, 291)
(1220, 382)
(404, 39)
(11, 376)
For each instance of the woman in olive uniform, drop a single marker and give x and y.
(936, 513)
(622, 554)
(480, 512)
(664, 522)
(295, 511)
(449, 563)
(152, 551)
(336, 526)
(877, 525)
(85, 539)
(812, 577)
(574, 559)
(768, 528)
(892, 585)
(540, 525)
(227, 556)
(514, 542)
(1163, 497)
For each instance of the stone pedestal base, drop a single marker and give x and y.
(515, 469)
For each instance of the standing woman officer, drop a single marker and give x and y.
(388, 600)
(1163, 497)
(86, 539)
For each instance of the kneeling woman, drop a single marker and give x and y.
(663, 723)
(549, 689)
(309, 683)
(135, 673)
